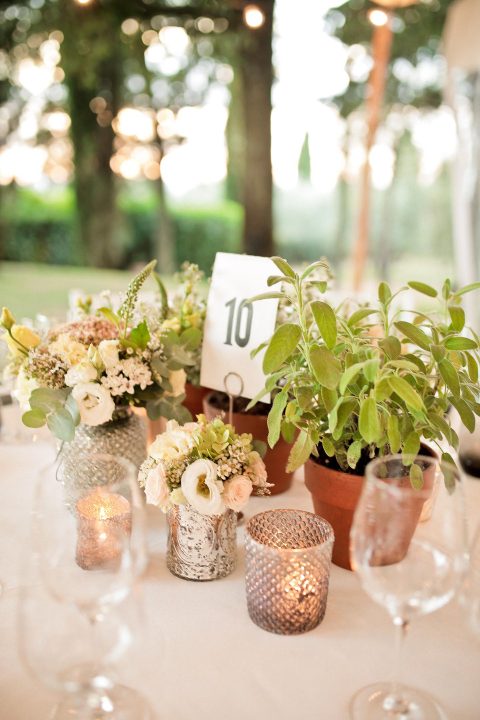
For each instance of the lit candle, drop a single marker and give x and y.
(301, 589)
(104, 524)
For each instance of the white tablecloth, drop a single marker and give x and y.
(199, 657)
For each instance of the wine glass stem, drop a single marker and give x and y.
(394, 702)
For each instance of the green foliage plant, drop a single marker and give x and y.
(354, 383)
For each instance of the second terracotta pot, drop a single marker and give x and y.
(275, 459)
(335, 495)
(194, 395)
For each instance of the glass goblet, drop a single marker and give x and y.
(90, 550)
(408, 545)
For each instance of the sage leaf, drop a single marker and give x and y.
(281, 346)
(460, 343)
(300, 451)
(360, 315)
(34, 418)
(406, 392)
(288, 431)
(391, 346)
(423, 288)
(449, 376)
(457, 316)
(329, 398)
(393, 434)
(411, 447)
(467, 289)
(326, 367)
(328, 446)
(416, 476)
(369, 420)
(353, 453)
(414, 334)
(384, 293)
(326, 321)
(449, 472)
(349, 375)
(472, 366)
(466, 413)
(283, 266)
(274, 418)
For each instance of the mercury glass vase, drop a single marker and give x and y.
(125, 435)
(201, 547)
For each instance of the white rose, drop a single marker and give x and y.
(156, 488)
(202, 489)
(24, 386)
(236, 492)
(172, 444)
(68, 349)
(82, 372)
(177, 379)
(108, 350)
(94, 402)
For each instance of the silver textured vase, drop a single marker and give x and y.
(201, 547)
(125, 435)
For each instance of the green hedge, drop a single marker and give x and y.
(41, 230)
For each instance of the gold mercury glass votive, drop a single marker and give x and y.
(104, 523)
(288, 558)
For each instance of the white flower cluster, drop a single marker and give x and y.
(121, 378)
(201, 485)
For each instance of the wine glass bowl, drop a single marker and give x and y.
(409, 549)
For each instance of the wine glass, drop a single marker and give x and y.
(408, 544)
(89, 546)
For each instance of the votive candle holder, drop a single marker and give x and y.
(288, 559)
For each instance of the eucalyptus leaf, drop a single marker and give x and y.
(281, 346)
(61, 424)
(34, 418)
(72, 407)
(48, 399)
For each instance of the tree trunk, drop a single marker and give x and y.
(257, 77)
(164, 238)
(235, 136)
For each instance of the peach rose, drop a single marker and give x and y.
(236, 492)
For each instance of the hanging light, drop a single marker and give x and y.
(253, 16)
(83, 2)
(378, 17)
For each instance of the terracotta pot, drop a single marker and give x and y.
(335, 495)
(275, 459)
(194, 398)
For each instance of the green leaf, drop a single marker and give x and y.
(406, 392)
(300, 451)
(449, 468)
(191, 338)
(467, 289)
(329, 398)
(126, 309)
(423, 288)
(283, 266)
(460, 343)
(163, 295)
(370, 370)
(450, 376)
(457, 315)
(416, 476)
(411, 447)
(326, 367)
(326, 322)
(343, 413)
(288, 431)
(60, 423)
(472, 367)
(72, 407)
(414, 334)
(384, 293)
(354, 453)
(139, 337)
(328, 446)
(441, 424)
(393, 434)
(360, 315)
(446, 288)
(275, 417)
(383, 389)
(267, 296)
(391, 346)
(48, 399)
(281, 346)
(34, 418)
(438, 352)
(110, 315)
(369, 420)
(274, 279)
(350, 374)
(466, 413)
(314, 266)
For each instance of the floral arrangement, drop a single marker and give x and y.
(203, 464)
(90, 369)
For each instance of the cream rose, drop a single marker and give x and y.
(171, 444)
(82, 372)
(202, 489)
(236, 492)
(108, 350)
(156, 488)
(94, 403)
(68, 349)
(177, 379)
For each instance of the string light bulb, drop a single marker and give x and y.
(378, 17)
(253, 16)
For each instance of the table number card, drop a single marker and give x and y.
(233, 326)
